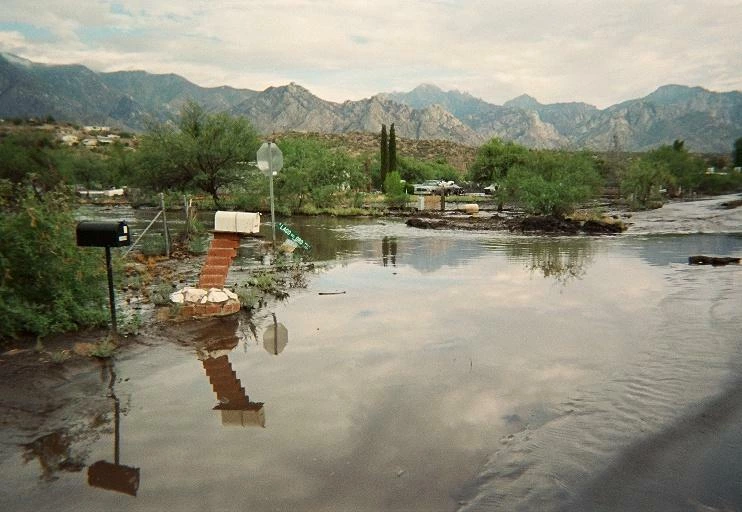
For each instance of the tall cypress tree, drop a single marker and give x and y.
(384, 154)
(392, 149)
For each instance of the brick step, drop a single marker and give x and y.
(216, 362)
(223, 377)
(233, 394)
(223, 261)
(211, 268)
(214, 373)
(223, 252)
(220, 243)
(227, 235)
(211, 282)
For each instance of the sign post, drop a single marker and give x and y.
(270, 160)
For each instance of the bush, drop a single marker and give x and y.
(47, 284)
(553, 182)
(394, 190)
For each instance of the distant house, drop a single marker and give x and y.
(96, 129)
(90, 143)
(70, 140)
(108, 139)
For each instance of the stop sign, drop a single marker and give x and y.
(270, 157)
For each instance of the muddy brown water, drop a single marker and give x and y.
(428, 371)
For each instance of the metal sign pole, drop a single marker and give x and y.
(273, 211)
(111, 298)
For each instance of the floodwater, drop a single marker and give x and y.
(430, 371)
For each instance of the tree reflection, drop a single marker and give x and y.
(55, 453)
(389, 250)
(558, 259)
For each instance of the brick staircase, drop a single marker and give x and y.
(222, 251)
(227, 386)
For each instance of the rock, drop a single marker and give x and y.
(217, 296)
(712, 260)
(193, 294)
(177, 297)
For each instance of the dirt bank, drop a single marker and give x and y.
(544, 224)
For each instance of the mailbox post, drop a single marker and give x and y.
(105, 234)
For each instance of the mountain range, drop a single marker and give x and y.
(707, 121)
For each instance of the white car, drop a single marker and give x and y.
(427, 187)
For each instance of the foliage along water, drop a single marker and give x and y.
(428, 371)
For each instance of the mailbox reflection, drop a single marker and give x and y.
(113, 476)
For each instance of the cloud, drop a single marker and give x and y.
(596, 51)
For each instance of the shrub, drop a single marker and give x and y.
(394, 190)
(47, 283)
(553, 182)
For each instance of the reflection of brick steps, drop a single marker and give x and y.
(226, 385)
(222, 250)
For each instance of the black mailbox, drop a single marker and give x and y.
(102, 234)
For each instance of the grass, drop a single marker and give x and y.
(104, 349)
(60, 356)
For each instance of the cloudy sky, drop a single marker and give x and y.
(597, 51)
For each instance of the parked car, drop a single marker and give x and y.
(427, 187)
(436, 187)
(491, 189)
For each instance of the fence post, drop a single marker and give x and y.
(164, 223)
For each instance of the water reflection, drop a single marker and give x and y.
(215, 343)
(389, 250)
(54, 452)
(558, 259)
(114, 476)
(275, 337)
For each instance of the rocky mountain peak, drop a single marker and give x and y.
(708, 121)
(524, 101)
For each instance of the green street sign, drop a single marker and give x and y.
(293, 236)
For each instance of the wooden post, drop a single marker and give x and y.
(187, 218)
(164, 223)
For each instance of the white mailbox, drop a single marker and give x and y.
(237, 222)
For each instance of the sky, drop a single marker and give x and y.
(601, 51)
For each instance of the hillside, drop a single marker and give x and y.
(707, 121)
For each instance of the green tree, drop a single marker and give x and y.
(392, 149)
(383, 155)
(205, 151)
(27, 161)
(737, 153)
(553, 182)
(88, 169)
(643, 181)
(314, 173)
(495, 159)
(686, 168)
